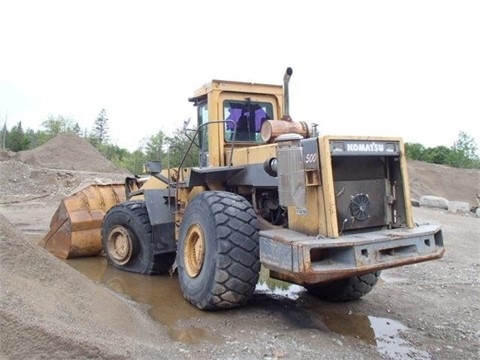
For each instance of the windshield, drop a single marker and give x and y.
(247, 117)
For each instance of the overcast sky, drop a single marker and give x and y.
(393, 68)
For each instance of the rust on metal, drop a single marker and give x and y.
(297, 258)
(75, 228)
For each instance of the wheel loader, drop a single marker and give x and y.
(322, 211)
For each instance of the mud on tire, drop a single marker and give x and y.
(218, 251)
(351, 288)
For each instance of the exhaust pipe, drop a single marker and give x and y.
(271, 129)
(286, 100)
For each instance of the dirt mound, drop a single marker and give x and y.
(55, 168)
(67, 152)
(440, 180)
(34, 327)
(6, 155)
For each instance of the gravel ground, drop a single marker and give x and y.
(48, 309)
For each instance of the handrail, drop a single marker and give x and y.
(197, 132)
(192, 142)
(170, 183)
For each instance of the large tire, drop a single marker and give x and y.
(351, 288)
(128, 242)
(218, 251)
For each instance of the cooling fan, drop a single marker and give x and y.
(360, 207)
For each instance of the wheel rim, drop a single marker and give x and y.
(194, 252)
(119, 245)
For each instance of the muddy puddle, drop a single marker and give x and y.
(169, 308)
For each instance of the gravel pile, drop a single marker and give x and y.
(67, 152)
(54, 169)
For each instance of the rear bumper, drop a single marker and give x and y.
(302, 259)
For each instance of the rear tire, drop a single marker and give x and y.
(348, 289)
(218, 251)
(128, 241)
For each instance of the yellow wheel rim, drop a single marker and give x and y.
(194, 251)
(119, 245)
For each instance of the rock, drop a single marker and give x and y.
(460, 206)
(434, 201)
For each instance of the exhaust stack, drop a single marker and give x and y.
(286, 100)
(271, 129)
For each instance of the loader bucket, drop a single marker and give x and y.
(75, 229)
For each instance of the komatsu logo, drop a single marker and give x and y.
(365, 147)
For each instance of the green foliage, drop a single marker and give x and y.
(112, 152)
(179, 143)
(414, 151)
(16, 140)
(3, 135)
(437, 155)
(99, 134)
(134, 162)
(463, 153)
(170, 150)
(154, 147)
(34, 138)
(55, 125)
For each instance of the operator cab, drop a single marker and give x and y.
(231, 114)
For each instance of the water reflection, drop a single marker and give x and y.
(268, 285)
(383, 333)
(390, 343)
(169, 308)
(161, 292)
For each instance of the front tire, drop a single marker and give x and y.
(128, 241)
(348, 289)
(218, 251)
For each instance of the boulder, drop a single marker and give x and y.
(458, 206)
(434, 201)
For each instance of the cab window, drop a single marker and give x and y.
(202, 118)
(246, 117)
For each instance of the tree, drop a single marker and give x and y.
(134, 162)
(178, 146)
(464, 152)
(3, 135)
(414, 151)
(34, 138)
(100, 130)
(55, 125)
(466, 144)
(437, 155)
(154, 147)
(114, 153)
(16, 140)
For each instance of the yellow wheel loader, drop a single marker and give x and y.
(325, 212)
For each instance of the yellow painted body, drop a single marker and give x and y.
(321, 206)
